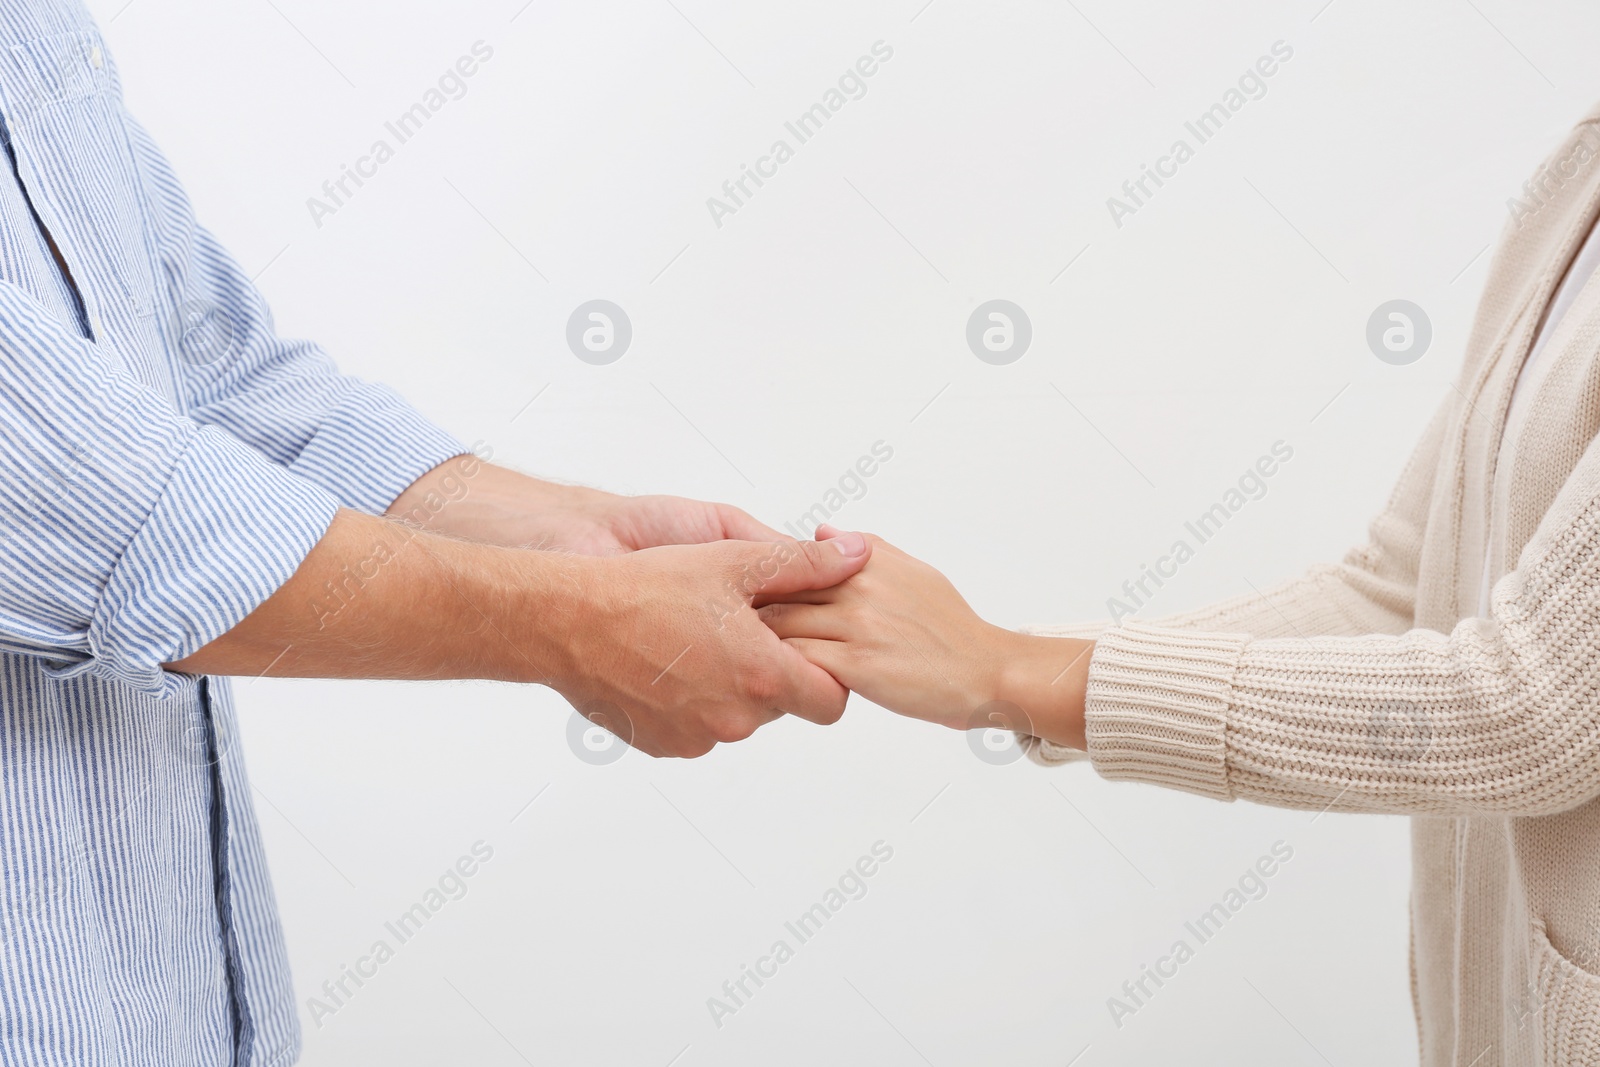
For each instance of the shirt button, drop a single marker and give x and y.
(96, 58)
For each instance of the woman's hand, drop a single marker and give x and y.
(899, 634)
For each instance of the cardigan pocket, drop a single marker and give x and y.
(1566, 1006)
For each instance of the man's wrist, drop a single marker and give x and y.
(543, 607)
(1047, 678)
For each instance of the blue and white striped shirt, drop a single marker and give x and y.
(168, 461)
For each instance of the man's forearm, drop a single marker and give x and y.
(662, 646)
(471, 498)
(380, 599)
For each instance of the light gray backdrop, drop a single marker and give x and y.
(828, 312)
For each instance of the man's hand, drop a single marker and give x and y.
(661, 646)
(667, 652)
(468, 498)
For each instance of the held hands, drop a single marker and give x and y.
(661, 642)
(649, 627)
(664, 648)
(899, 634)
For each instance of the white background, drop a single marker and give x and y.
(768, 355)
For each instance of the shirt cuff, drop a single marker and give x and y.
(1157, 706)
(227, 530)
(371, 446)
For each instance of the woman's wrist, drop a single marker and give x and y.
(1047, 678)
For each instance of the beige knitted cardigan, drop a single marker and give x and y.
(1373, 686)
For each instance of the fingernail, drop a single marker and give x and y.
(850, 545)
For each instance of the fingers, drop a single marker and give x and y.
(740, 526)
(691, 738)
(805, 596)
(807, 565)
(826, 656)
(805, 690)
(826, 532)
(806, 620)
(829, 594)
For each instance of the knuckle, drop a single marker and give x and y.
(735, 726)
(832, 712)
(805, 559)
(696, 748)
(861, 653)
(761, 686)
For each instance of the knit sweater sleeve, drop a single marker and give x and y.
(1500, 715)
(1371, 591)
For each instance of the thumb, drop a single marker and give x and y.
(803, 565)
(741, 526)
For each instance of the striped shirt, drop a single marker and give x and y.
(168, 461)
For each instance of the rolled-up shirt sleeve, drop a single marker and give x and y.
(131, 534)
(284, 397)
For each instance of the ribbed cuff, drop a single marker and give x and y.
(371, 447)
(1082, 631)
(1048, 753)
(1157, 707)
